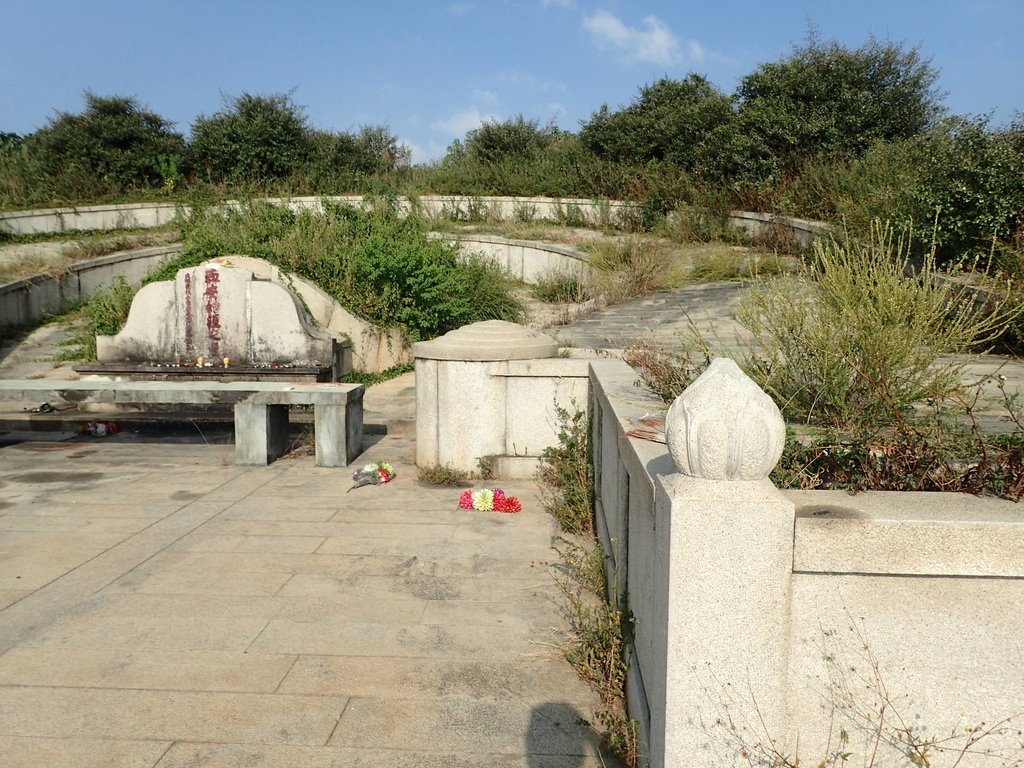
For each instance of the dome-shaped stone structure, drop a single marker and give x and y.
(488, 340)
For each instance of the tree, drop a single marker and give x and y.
(670, 121)
(116, 144)
(514, 139)
(379, 150)
(253, 139)
(826, 101)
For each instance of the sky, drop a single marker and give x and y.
(434, 70)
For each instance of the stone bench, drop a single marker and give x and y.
(261, 409)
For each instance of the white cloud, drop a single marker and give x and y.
(458, 124)
(460, 9)
(526, 80)
(655, 43)
(433, 150)
(484, 97)
(697, 51)
(561, 3)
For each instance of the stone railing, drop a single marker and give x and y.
(769, 620)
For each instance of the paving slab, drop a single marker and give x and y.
(175, 610)
(34, 752)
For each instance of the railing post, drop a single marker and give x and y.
(724, 582)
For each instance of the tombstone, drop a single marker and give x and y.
(220, 319)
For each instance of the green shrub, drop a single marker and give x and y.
(626, 267)
(104, 315)
(113, 147)
(857, 336)
(670, 121)
(958, 187)
(566, 474)
(381, 267)
(825, 100)
(560, 288)
(254, 138)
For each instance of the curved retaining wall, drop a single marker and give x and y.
(526, 260)
(29, 300)
(574, 211)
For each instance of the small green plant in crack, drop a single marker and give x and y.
(601, 631)
(566, 475)
(486, 465)
(443, 474)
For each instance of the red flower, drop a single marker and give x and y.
(466, 500)
(509, 504)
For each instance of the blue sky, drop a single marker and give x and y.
(433, 70)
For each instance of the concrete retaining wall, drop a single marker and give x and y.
(913, 595)
(572, 211)
(28, 301)
(526, 260)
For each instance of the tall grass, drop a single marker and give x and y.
(857, 337)
(625, 267)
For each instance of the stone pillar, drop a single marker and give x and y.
(462, 406)
(261, 433)
(725, 580)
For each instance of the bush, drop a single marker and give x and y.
(960, 176)
(560, 288)
(114, 146)
(828, 101)
(671, 120)
(381, 267)
(856, 338)
(627, 267)
(253, 139)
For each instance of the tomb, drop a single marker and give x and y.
(220, 321)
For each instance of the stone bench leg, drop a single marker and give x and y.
(339, 433)
(261, 433)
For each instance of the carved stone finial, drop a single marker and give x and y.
(724, 426)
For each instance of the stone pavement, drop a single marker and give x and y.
(162, 607)
(666, 318)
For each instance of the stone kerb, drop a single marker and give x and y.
(487, 392)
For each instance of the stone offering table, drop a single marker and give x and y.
(260, 409)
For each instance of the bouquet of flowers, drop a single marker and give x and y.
(377, 473)
(101, 428)
(487, 500)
